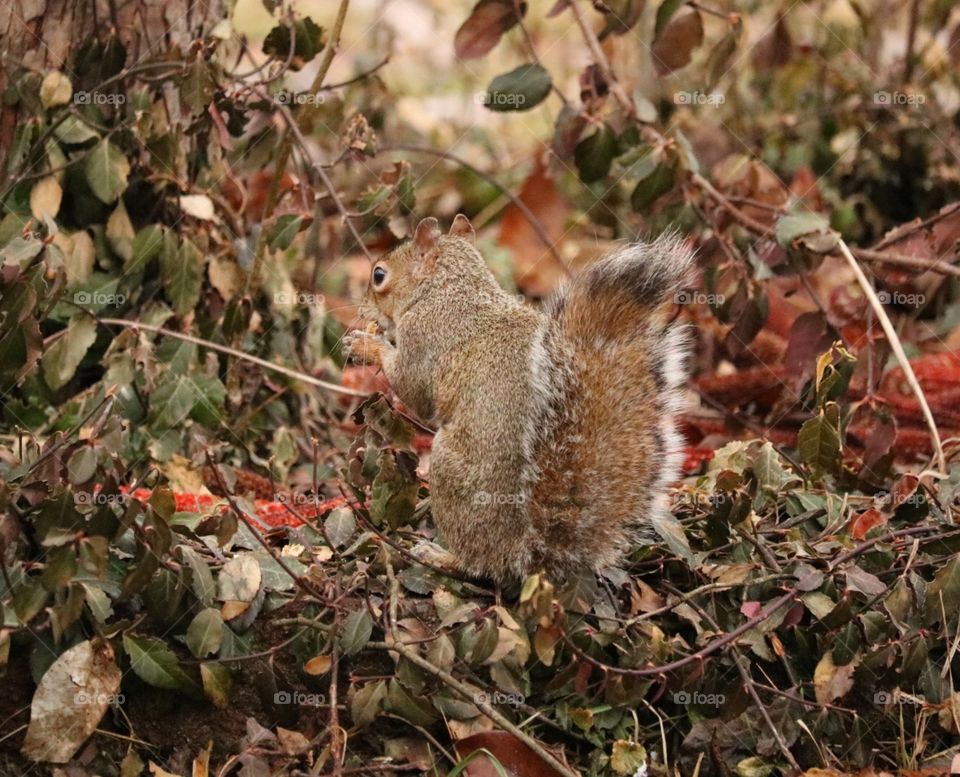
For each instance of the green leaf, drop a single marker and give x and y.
(216, 683)
(182, 274)
(943, 594)
(156, 664)
(82, 465)
(106, 170)
(198, 86)
(146, 246)
(519, 90)
(819, 440)
(594, 154)
(283, 230)
(201, 578)
(73, 130)
(355, 632)
(801, 225)
(648, 190)
(205, 633)
(61, 360)
(367, 702)
(308, 42)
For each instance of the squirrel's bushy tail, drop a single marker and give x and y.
(617, 297)
(629, 356)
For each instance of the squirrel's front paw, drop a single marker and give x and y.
(433, 555)
(363, 347)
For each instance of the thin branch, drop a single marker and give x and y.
(898, 351)
(528, 214)
(290, 373)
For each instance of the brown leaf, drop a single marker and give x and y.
(482, 30)
(673, 47)
(830, 682)
(70, 701)
(537, 272)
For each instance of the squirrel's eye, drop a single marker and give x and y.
(379, 276)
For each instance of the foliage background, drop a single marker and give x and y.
(180, 167)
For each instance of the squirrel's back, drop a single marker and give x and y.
(607, 377)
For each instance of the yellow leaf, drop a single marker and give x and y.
(55, 89)
(45, 198)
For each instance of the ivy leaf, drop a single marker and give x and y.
(147, 244)
(61, 360)
(519, 90)
(487, 23)
(107, 170)
(356, 631)
(281, 233)
(648, 190)
(673, 45)
(819, 439)
(182, 274)
(156, 664)
(594, 154)
(205, 633)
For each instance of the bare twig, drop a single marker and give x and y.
(897, 348)
(520, 205)
(290, 373)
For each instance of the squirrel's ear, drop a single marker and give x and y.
(461, 227)
(426, 236)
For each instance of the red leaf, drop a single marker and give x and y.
(751, 609)
(485, 26)
(861, 524)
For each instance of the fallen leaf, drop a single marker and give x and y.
(71, 699)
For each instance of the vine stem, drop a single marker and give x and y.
(290, 373)
(898, 351)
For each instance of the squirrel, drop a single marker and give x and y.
(556, 439)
